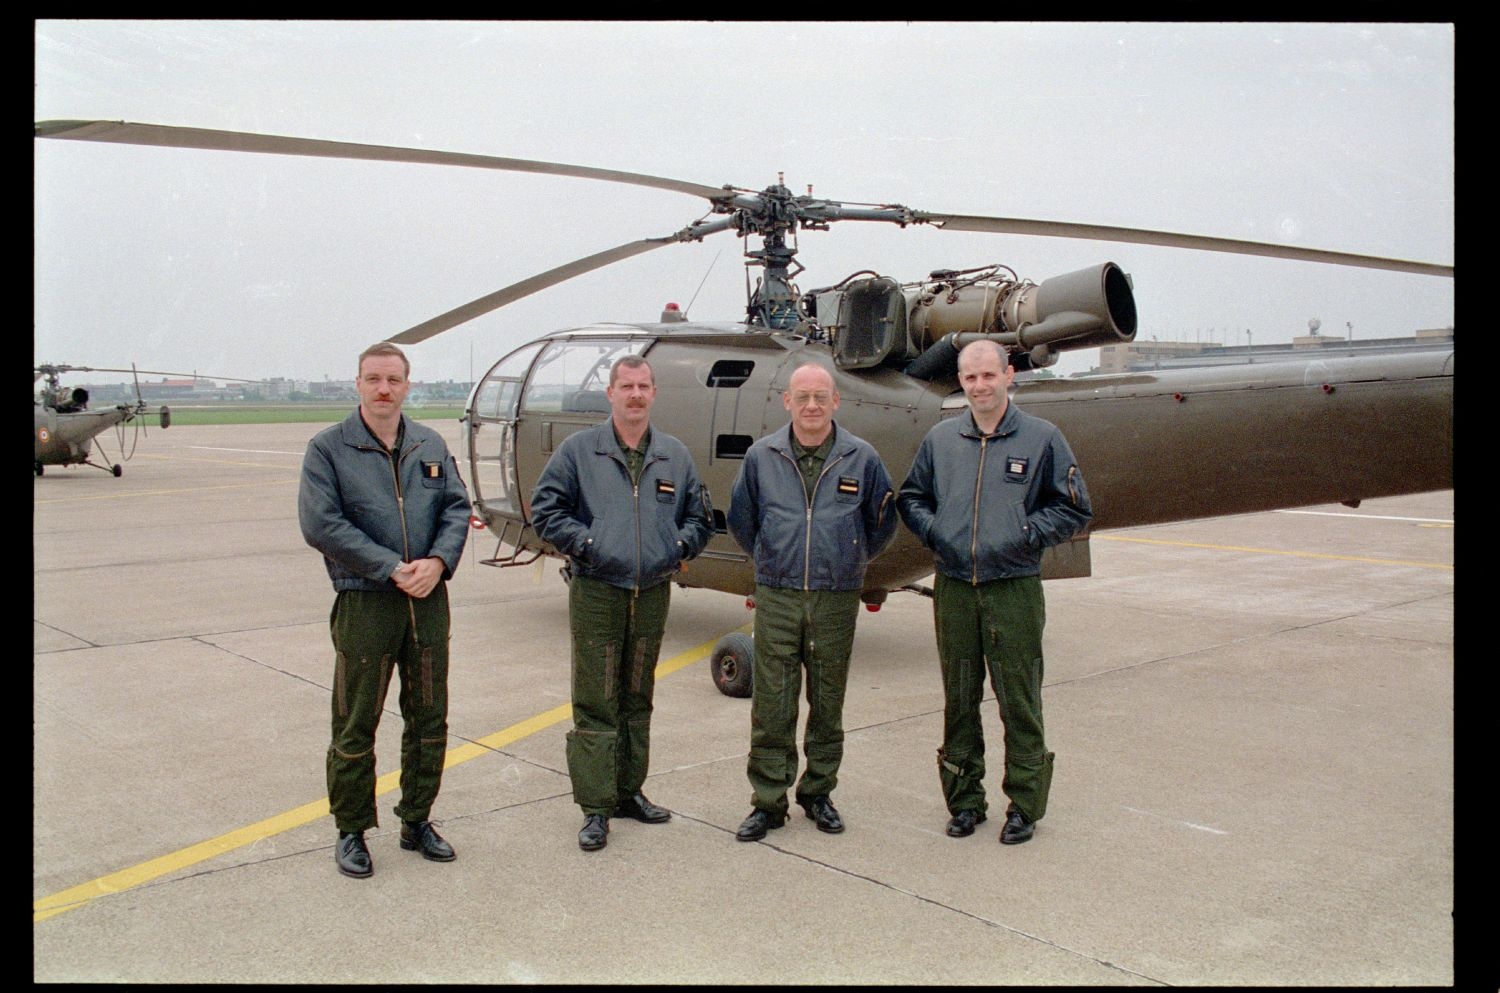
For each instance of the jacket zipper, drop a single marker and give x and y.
(411, 608)
(635, 494)
(807, 528)
(974, 526)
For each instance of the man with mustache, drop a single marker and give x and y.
(381, 498)
(624, 502)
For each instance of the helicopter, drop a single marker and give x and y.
(66, 432)
(1157, 447)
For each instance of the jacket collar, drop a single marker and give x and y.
(780, 440)
(353, 431)
(1009, 421)
(605, 442)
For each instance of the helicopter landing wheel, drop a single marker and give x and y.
(733, 657)
(40, 468)
(117, 469)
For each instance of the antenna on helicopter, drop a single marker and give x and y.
(700, 287)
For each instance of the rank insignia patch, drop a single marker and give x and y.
(1015, 467)
(666, 486)
(432, 470)
(848, 484)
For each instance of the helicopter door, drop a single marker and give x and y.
(492, 436)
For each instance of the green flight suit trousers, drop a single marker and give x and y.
(796, 629)
(994, 627)
(616, 640)
(374, 632)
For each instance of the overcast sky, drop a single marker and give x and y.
(1322, 135)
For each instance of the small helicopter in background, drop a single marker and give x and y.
(1157, 447)
(66, 431)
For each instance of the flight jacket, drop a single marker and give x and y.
(367, 510)
(822, 543)
(628, 535)
(986, 505)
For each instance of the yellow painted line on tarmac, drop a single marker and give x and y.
(183, 489)
(144, 872)
(1271, 551)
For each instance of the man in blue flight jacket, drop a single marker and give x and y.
(987, 492)
(625, 504)
(381, 498)
(812, 504)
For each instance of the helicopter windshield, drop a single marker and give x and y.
(572, 375)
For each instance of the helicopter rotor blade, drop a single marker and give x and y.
(753, 209)
(530, 285)
(127, 133)
(140, 403)
(1170, 239)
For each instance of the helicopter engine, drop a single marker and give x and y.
(919, 327)
(68, 401)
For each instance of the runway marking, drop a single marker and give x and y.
(1272, 551)
(1368, 517)
(185, 489)
(1195, 827)
(124, 879)
(248, 451)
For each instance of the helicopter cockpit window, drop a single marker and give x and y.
(492, 434)
(498, 394)
(571, 376)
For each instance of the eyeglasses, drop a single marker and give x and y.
(800, 399)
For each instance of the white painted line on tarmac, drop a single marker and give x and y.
(252, 451)
(1368, 517)
(1195, 827)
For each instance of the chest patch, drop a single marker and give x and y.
(1016, 467)
(666, 487)
(432, 470)
(849, 485)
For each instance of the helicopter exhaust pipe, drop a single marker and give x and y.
(68, 400)
(1087, 308)
(1082, 309)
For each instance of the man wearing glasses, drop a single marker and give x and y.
(812, 504)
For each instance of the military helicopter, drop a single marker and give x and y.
(66, 431)
(1159, 447)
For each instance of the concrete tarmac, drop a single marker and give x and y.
(1253, 721)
